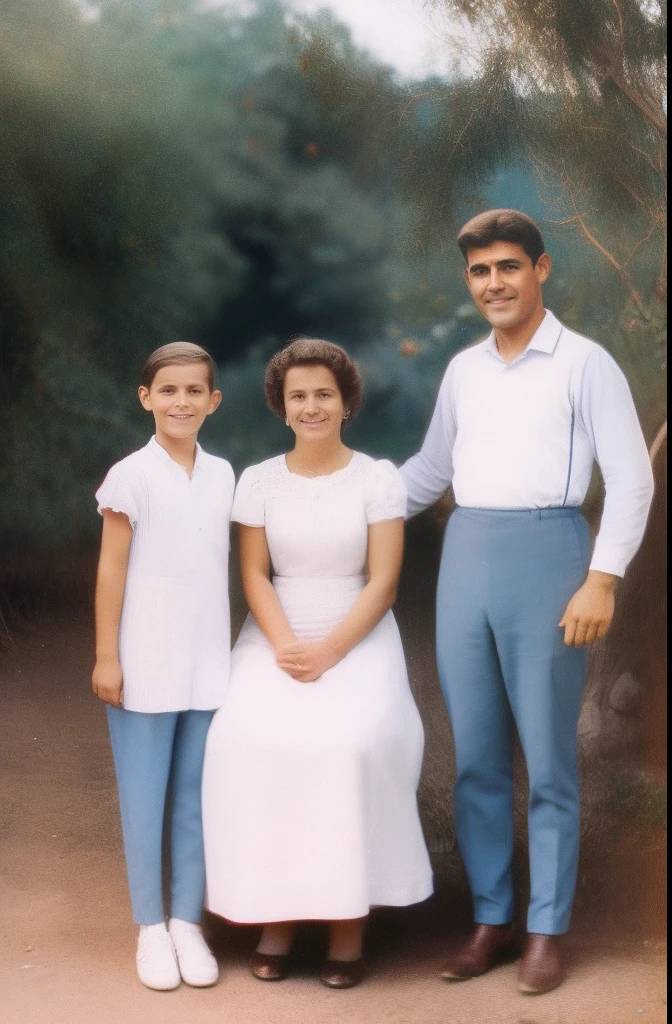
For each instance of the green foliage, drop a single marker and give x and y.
(431, 141)
(107, 249)
(164, 173)
(105, 203)
(169, 169)
(590, 117)
(556, 108)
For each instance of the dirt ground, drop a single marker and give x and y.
(67, 943)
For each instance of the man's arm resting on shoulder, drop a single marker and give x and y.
(428, 474)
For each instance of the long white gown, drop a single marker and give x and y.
(309, 789)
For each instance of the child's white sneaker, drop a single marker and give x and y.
(198, 966)
(155, 959)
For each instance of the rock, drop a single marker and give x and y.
(625, 696)
(590, 722)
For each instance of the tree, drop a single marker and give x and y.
(570, 97)
(590, 116)
(165, 171)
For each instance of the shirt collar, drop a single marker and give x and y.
(544, 339)
(199, 461)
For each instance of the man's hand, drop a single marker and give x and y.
(107, 682)
(306, 660)
(590, 611)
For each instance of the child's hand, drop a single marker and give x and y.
(306, 660)
(107, 682)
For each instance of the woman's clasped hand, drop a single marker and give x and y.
(306, 660)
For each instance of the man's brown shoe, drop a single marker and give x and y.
(487, 946)
(541, 968)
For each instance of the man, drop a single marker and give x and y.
(519, 421)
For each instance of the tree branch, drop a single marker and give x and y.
(620, 18)
(610, 258)
(657, 120)
(642, 241)
(658, 442)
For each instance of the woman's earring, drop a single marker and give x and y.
(347, 416)
(286, 423)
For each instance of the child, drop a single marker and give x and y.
(162, 651)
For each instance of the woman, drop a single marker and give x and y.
(312, 763)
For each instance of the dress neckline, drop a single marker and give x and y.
(282, 459)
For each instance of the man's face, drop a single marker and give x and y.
(504, 285)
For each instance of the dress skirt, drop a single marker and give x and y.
(309, 789)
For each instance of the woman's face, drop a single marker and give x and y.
(313, 403)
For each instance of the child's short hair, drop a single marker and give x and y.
(502, 226)
(177, 353)
(305, 351)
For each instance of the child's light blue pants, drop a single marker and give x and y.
(157, 754)
(505, 580)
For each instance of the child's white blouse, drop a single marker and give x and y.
(175, 631)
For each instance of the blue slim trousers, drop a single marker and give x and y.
(156, 755)
(505, 580)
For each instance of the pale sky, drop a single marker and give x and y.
(412, 36)
(405, 33)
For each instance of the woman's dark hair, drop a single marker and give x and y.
(502, 226)
(177, 353)
(304, 351)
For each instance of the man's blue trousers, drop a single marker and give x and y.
(505, 580)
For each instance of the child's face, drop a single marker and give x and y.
(180, 398)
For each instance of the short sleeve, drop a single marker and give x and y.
(384, 493)
(118, 494)
(248, 501)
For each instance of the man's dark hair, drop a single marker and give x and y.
(502, 226)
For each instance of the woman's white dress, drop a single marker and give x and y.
(309, 789)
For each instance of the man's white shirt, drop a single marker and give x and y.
(526, 434)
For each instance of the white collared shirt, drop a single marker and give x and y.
(526, 434)
(175, 630)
